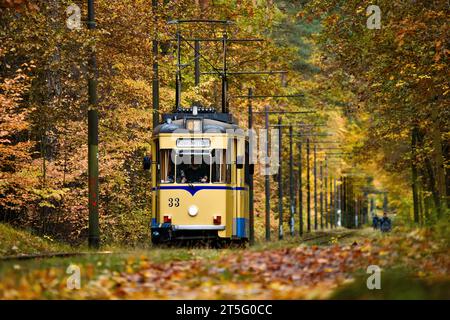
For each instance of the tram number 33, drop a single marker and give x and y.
(174, 202)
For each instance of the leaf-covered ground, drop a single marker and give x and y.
(14, 242)
(263, 272)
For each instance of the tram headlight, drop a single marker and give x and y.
(193, 210)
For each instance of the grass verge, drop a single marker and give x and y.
(15, 242)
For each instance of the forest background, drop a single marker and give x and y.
(383, 94)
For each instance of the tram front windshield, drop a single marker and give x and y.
(193, 166)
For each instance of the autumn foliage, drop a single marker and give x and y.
(44, 105)
(382, 94)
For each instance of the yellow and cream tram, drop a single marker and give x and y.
(200, 170)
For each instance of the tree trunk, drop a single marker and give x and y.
(414, 174)
(431, 185)
(439, 162)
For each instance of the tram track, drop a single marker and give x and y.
(328, 237)
(52, 255)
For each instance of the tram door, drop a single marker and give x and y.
(239, 223)
(155, 178)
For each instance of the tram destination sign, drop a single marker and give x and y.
(193, 143)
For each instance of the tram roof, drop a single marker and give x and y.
(209, 125)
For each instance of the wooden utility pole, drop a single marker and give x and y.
(291, 184)
(331, 201)
(315, 186)
(300, 189)
(321, 195)
(197, 64)
(280, 182)
(94, 229)
(327, 214)
(344, 207)
(178, 73)
(308, 188)
(224, 75)
(266, 176)
(414, 174)
(334, 212)
(251, 218)
(155, 76)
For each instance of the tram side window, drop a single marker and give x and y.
(220, 167)
(167, 167)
